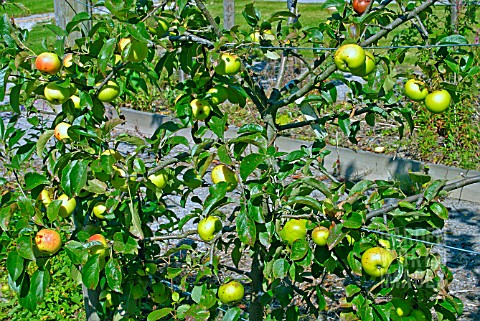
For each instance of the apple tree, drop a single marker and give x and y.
(127, 206)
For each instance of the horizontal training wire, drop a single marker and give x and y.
(373, 47)
(177, 288)
(421, 241)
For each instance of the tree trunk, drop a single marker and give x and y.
(65, 10)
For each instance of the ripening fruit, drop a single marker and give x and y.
(48, 241)
(109, 91)
(98, 249)
(231, 292)
(61, 131)
(48, 62)
(68, 205)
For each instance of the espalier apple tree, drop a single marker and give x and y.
(120, 206)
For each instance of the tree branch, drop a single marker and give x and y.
(209, 17)
(447, 188)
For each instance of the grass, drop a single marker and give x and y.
(21, 8)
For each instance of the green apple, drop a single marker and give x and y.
(109, 92)
(320, 235)
(114, 153)
(48, 62)
(161, 28)
(348, 57)
(99, 210)
(55, 94)
(76, 101)
(101, 248)
(48, 241)
(45, 196)
(138, 50)
(68, 205)
(376, 261)
(367, 68)
(294, 229)
(229, 64)
(218, 94)
(231, 292)
(5, 288)
(419, 315)
(384, 243)
(438, 101)
(402, 307)
(208, 227)
(221, 173)
(118, 179)
(159, 179)
(200, 109)
(61, 131)
(416, 90)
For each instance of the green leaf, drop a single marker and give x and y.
(14, 265)
(76, 252)
(25, 247)
(336, 235)
(253, 139)
(215, 197)
(352, 289)
(299, 249)
(246, 228)
(280, 268)
(39, 283)
(419, 177)
(217, 125)
(113, 271)
(15, 98)
(361, 187)
(91, 272)
(440, 210)
(74, 177)
(432, 190)
(33, 179)
(135, 222)
(4, 74)
(52, 209)
(250, 163)
(124, 244)
(158, 314)
(232, 314)
(106, 53)
(305, 200)
(354, 220)
(26, 207)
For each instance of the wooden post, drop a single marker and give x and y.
(455, 4)
(65, 10)
(228, 14)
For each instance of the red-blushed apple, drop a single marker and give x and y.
(61, 130)
(98, 249)
(349, 56)
(231, 292)
(68, 205)
(360, 6)
(56, 94)
(229, 64)
(48, 62)
(200, 109)
(68, 60)
(109, 91)
(138, 50)
(48, 241)
(221, 173)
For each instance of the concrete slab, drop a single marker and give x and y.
(352, 164)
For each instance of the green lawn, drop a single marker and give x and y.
(21, 8)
